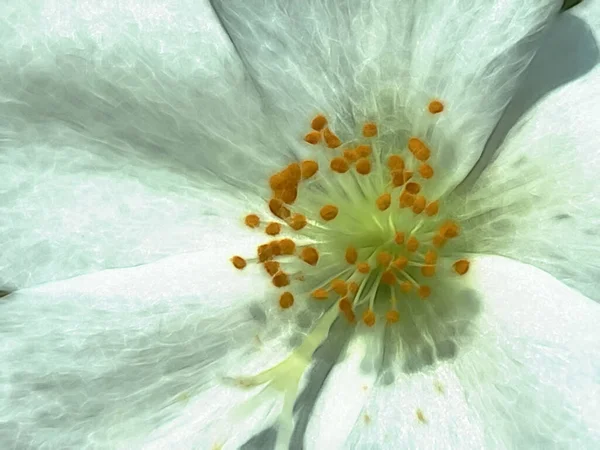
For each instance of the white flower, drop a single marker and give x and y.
(136, 138)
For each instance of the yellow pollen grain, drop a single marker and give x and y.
(363, 267)
(288, 247)
(369, 129)
(432, 208)
(353, 287)
(351, 155)
(273, 229)
(363, 166)
(384, 259)
(345, 305)
(421, 416)
(278, 209)
(318, 122)
(272, 267)
(351, 255)
(438, 241)
(339, 165)
(280, 279)
(419, 204)
(369, 318)
(461, 266)
(406, 199)
(328, 212)
(264, 252)
(397, 178)
(428, 270)
(312, 137)
(383, 201)
(331, 140)
(395, 162)
(252, 220)
(297, 222)
(400, 262)
(430, 257)
(238, 262)
(392, 316)
(426, 171)
(364, 150)
(399, 238)
(309, 255)
(424, 291)
(412, 187)
(449, 229)
(388, 277)
(412, 244)
(320, 294)
(339, 286)
(435, 107)
(286, 300)
(405, 286)
(308, 168)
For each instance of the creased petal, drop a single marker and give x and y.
(385, 60)
(108, 358)
(539, 201)
(528, 378)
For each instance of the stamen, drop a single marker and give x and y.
(272, 267)
(438, 241)
(419, 204)
(398, 178)
(432, 208)
(331, 140)
(430, 257)
(426, 171)
(412, 244)
(392, 316)
(286, 300)
(278, 209)
(297, 222)
(399, 237)
(428, 270)
(329, 212)
(351, 155)
(351, 255)
(252, 220)
(412, 187)
(309, 255)
(461, 266)
(436, 107)
(320, 294)
(395, 162)
(363, 267)
(238, 262)
(280, 279)
(384, 201)
(264, 252)
(384, 259)
(308, 168)
(339, 165)
(449, 230)
(388, 277)
(312, 137)
(406, 199)
(288, 247)
(406, 286)
(318, 122)
(369, 318)
(363, 166)
(369, 129)
(424, 292)
(364, 151)
(353, 287)
(275, 248)
(418, 149)
(273, 228)
(400, 262)
(339, 287)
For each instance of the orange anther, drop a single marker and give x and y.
(400, 262)
(264, 252)
(363, 166)
(345, 304)
(428, 270)
(383, 201)
(272, 267)
(277, 181)
(292, 173)
(351, 255)
(350, 155)
(288, 247)
(426, 171)
(320, 294)
(350, 317)
(384, 259)
(339, 287)
(407, 175)
(395, 162)
(412, 187)
(339, 165)
(309, 255)
(318, 122)
(412, 244)
(430, 257)
(369, 318)
(424, 291)
(364, 150)
(406, 199)
(397, 178)
(436, 107)
(308, 168)
(287, 195)
(405, 286)
(252, 220)
(399, 238)
(392, 316)
(278, 209)
(449, 229)
(275, 248)
(419, 204)
(388, 277)
(461, 266)
(280, 279)
(286, 300)
(238, 262)
(273, 228)
(438, 241)
(297, 222)
(331, 140)
(432, 208)
(312, 137)
(329, 212)
(369, 129)
(363, 267)
(353, 287)
(418, 149)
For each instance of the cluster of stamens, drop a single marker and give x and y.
(393, 255)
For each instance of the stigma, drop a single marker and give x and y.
(356, 225)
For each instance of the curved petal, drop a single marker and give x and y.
(528, 379)
(539, 200)
(108, 358)
(386, 60)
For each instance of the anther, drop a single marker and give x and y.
(238, 262)
(364, 150)
(430, 257)
(435, 107)
(412, 187)
(252, 220)
(399, 238)
(353, 287)
(309, 255)
(363, 166)
(418, 149)
(426, 171)
(405, 287)
(273, 228)
(278, 209)
(286, 300)
(320, 294)
(331, 140)
(297, 222)
(369, 129)
(438, 241)
(392, 316)
(272, 267)
(400, 262)
(406, 199)
(287, 195)
(369, 318)
(351, 255)
(280, 279)
(395, 162)
(308, 168)
(275, 248)
(461, 266)
(345, 305)
(264, 252)
(419, 204)
(351, 155)
(363, 267)
(312, 137)
(388, 277)
(339, 165)
(449, 229)
(424, 291)
(288, 247)
(412, 244)
(350, 317)
(383, 201)
(432, 208)
(292, 174)
(428, 270)
(318, 122)
(398, 178)
(329, 212)
(384, 259)
(339, 287)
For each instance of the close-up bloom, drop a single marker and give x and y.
(319, 224)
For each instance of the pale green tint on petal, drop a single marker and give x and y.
(385, 60)
(527, 379)
(539, 200)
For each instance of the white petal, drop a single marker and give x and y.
(385, 60)
(107, 358)
(527, 378)
(539, 201)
